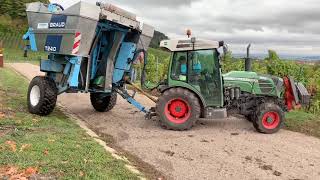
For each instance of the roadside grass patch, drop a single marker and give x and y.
(16, 55)
(52, 146)
(303, 122)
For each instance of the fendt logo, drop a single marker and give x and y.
(58, 21)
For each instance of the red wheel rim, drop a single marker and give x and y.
(271, 120)
(177, 111)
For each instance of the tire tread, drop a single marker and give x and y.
(49, 100)
(104, 104)
(261, 110)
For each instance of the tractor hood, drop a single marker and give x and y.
(241, 76)
(254, 83)
(294, 94)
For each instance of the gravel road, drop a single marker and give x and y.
(221, 149)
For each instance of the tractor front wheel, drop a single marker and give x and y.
(102, 102)
(178, 109)
(269, 118)
(42, 96)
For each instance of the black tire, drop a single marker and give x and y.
(190, 101)
(102, 102)
(42, 96)
(268, 112)
(249, 117)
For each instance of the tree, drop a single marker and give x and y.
(229, 63)
(6, 6)
(273, 62)
(15, 9)
(272, 56)
(13, 16)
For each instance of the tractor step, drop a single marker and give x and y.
(215, 113)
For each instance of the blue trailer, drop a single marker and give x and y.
(91, 50)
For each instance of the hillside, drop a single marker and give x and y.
(158, 36)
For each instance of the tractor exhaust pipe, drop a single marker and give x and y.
(248, 61)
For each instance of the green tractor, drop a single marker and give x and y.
(196, 88)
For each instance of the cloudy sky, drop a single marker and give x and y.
(289, 27)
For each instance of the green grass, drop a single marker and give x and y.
(16, 55)
(58, 147)
(300, 121)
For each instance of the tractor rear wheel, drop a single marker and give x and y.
(42, 96)
(178, 109)
(269, 118)
(102, 102)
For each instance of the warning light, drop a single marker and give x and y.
(189, 33)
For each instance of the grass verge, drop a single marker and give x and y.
(50, 147)
(16, 55)
(303, 122)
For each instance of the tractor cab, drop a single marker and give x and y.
(197, 89)
(195, 66)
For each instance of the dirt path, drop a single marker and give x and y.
(223, 149)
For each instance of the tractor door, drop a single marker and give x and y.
(204, 74)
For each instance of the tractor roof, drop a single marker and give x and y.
(187, 45)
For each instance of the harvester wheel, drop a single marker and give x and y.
(178, 109)
(269, 118)
(42, 96)
(102, 102)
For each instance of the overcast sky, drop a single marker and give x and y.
(287, 26)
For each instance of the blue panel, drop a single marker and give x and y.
(126, 54)
(50, 66)
(75, 71)
(53, 43)
(58, 21)
(32, 39)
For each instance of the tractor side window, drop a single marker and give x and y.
(179, 69)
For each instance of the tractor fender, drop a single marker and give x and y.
(203, 104)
